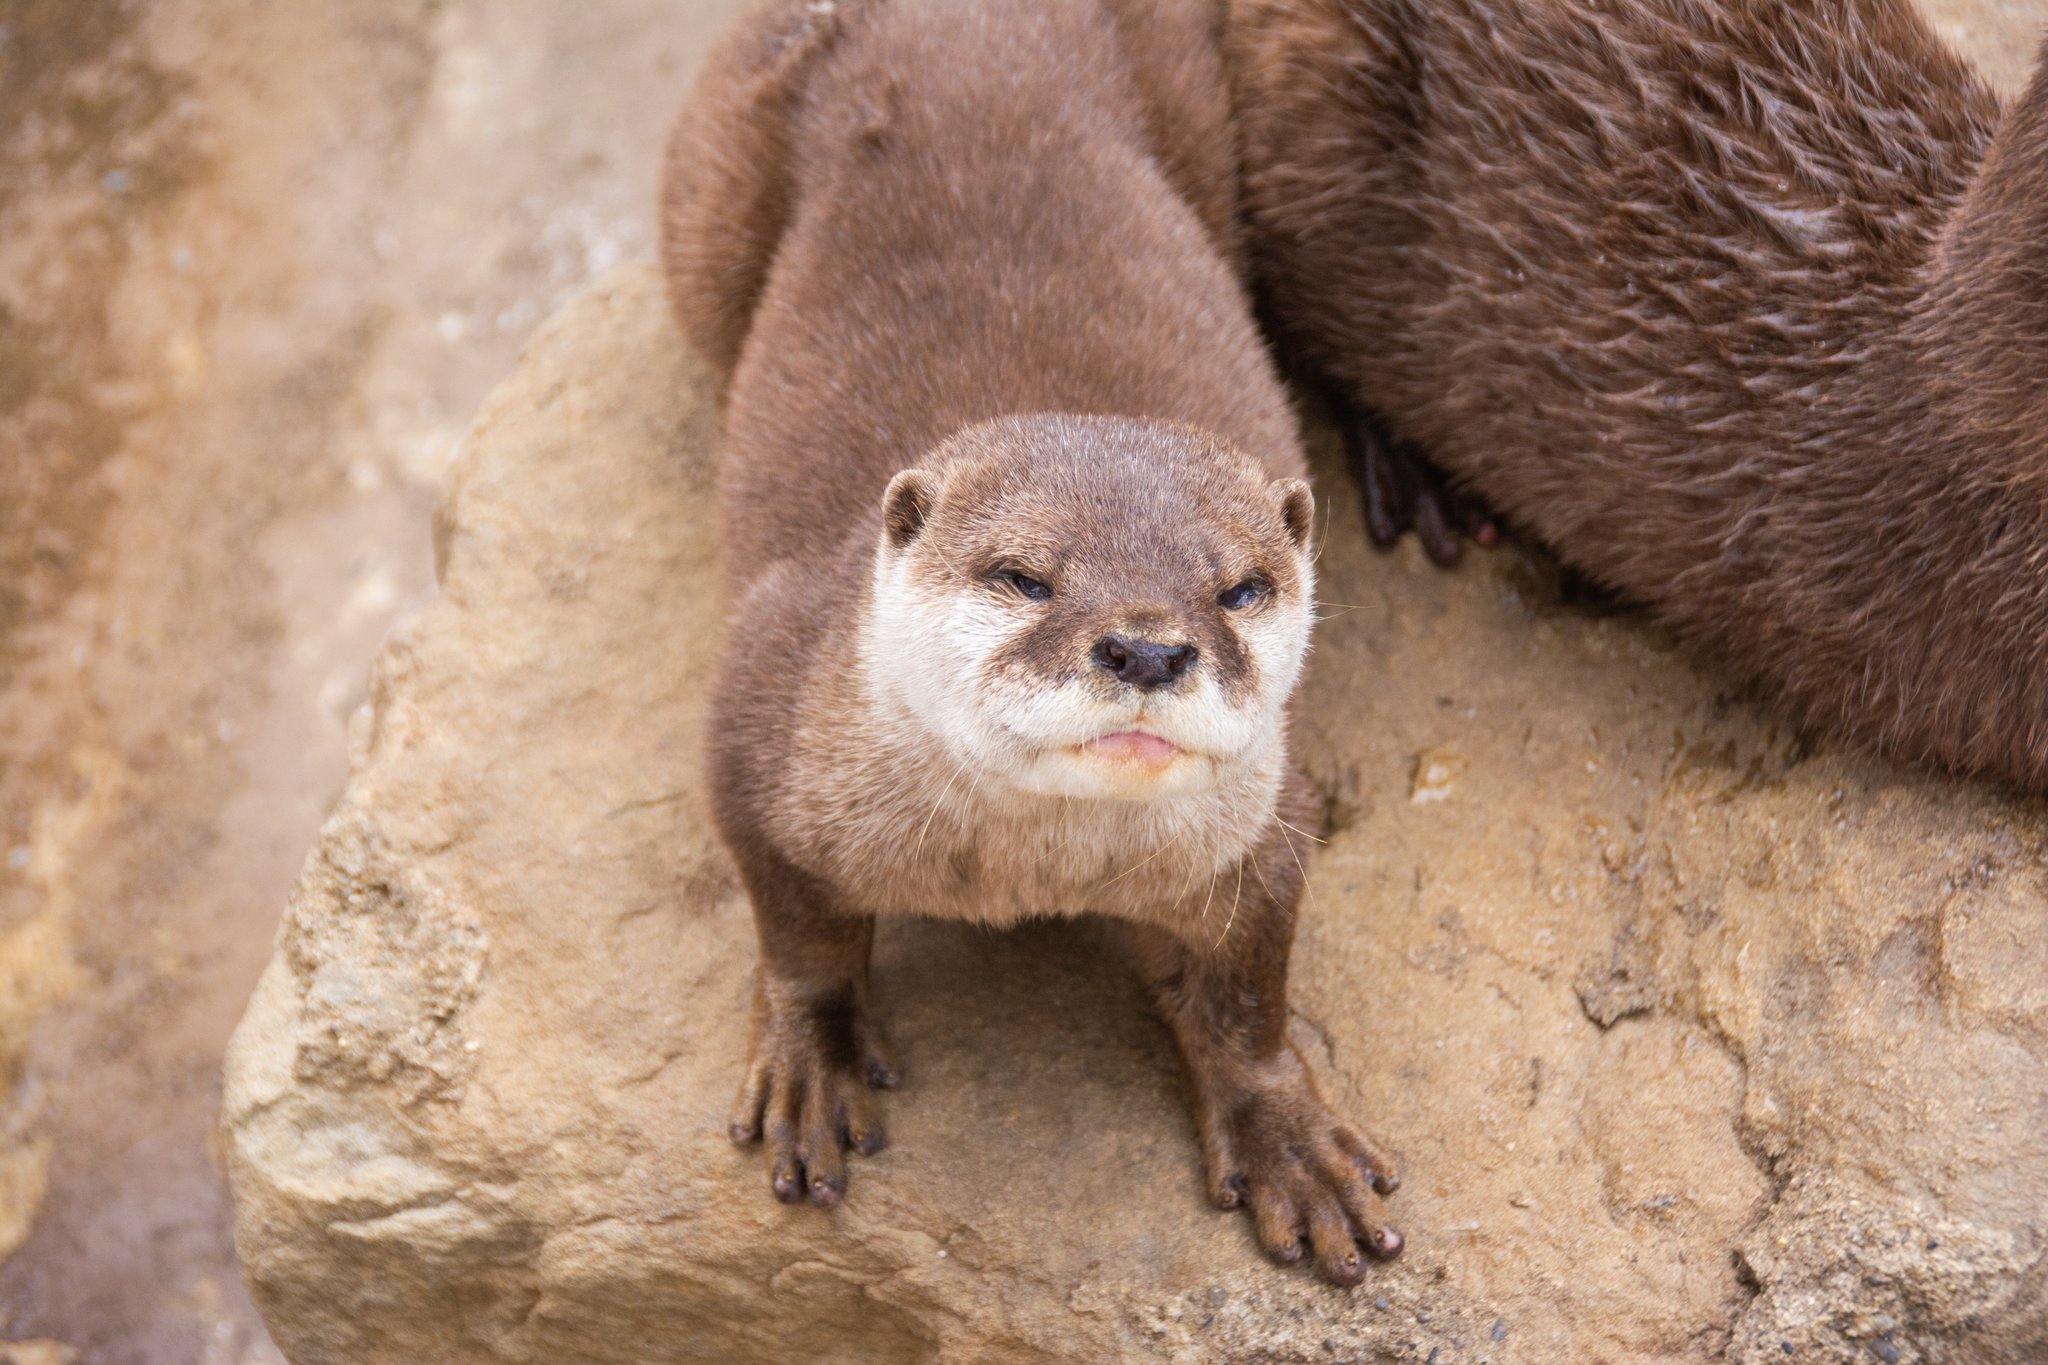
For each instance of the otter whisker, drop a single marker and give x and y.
(1193, 874)
(1323, 538)
(1261, 872)
(1066, 809)
(1167, 847)
(1298, 830)
(1299, 866)
(1232, 919)
(943, 793)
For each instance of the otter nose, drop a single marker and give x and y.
(1144, 664)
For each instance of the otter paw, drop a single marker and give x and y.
(1312, 1182)
(805, 1097)
(1404, 491)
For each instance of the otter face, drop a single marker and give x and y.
(1094, 607)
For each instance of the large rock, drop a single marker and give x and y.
(1698, 1041)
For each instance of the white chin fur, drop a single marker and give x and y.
(928, 652)
(1070, 773)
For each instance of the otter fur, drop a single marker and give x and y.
(1019, 563)
(1741, 307)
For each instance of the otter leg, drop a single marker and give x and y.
(813, 1052)
(1268, 1139)
(1403, 489)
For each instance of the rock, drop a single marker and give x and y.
(1699, 1042)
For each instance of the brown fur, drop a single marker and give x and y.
(1741, 307)
(911, 233)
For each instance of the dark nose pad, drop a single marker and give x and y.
(1144, 664)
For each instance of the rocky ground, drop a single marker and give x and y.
(1700, 1042)
(262, 262)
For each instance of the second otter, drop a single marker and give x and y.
(1020, 574)
(1738, 306)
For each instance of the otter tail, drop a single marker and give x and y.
(726, 187)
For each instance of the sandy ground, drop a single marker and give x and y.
(258, 263)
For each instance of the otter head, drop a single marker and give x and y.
(1093, 607)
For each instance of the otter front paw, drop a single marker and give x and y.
(1403, 489)
(806, 1095)
(1305, 1174)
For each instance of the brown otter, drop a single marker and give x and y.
(1741, 307)
(1018, 550)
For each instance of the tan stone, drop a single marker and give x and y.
(475, 1111)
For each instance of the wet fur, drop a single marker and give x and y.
(970, 274)
(1741, 307)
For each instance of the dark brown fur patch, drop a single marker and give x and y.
(1741, 307)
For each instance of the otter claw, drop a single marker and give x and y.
(1404, 491)
(806, 1097)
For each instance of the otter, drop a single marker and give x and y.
(1018, 553)
(1739, 307)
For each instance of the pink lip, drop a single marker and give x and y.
(1133, 746)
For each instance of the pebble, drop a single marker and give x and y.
(1885, 1351)
(1500, 1329)
(116, 181)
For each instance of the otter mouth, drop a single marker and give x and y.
(1135, 747)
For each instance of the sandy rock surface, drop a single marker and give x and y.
(1699, 1042)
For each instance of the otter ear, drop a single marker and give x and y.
(906, 504)
(1297, 509)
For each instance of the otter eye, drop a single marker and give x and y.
(1026, 584)
(1241, 595)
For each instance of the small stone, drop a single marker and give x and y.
(18, 858)
(1500, 1329)
(1435, 774)
(1380, 1303)
(117, 181)
(1885, 1351)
